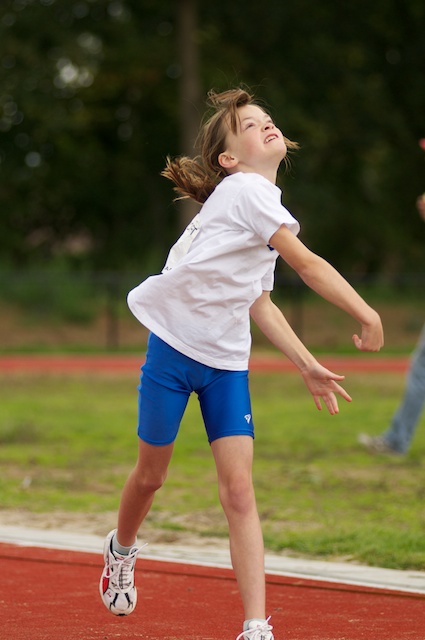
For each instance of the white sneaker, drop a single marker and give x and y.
(116, 585)
(257, 630)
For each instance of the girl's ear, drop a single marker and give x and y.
(227, 161)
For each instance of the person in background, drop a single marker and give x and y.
(396, 440)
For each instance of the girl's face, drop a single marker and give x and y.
(257, 146)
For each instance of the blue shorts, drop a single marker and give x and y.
(167, 380)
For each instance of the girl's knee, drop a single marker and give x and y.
(149, 482)
(237, 495)
(151, 468)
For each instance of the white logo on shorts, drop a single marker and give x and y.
(248, 417)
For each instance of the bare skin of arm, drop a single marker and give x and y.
(322, 383)
(322, 278)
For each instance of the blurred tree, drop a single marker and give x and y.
(346, 81)
(93, 97)
(190, 91)
(87, 102)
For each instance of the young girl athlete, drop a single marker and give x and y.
(198, 312)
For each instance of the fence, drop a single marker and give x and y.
(62, 310)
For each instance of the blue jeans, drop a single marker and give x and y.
(400, 433)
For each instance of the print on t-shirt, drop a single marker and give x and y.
(181, 247)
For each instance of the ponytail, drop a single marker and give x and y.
(190, 178)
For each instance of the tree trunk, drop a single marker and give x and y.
(190, 92)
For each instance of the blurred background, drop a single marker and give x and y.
(96, 93)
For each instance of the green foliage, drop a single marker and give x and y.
(68, 443)
(53, 296)
(90, 107)
(82, 100)
(346, 84)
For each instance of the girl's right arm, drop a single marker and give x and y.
(320, 276)
(322, 383)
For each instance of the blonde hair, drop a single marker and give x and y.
(196, 178)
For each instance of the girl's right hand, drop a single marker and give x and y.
(323, 385)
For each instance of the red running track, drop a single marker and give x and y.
(49, 594)
(128, 364)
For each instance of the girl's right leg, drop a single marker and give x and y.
(116, 585)
(162, 401)
(139, 490)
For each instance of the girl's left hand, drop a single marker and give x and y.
(323, 385)
(372, 338)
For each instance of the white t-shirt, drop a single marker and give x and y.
(221, 264)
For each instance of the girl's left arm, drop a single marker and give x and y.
(320, 276)
(321, 382)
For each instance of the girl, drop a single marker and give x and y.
(198, 312)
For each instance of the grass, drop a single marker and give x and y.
(67, 443)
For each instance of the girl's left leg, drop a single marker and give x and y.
(233, 458)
